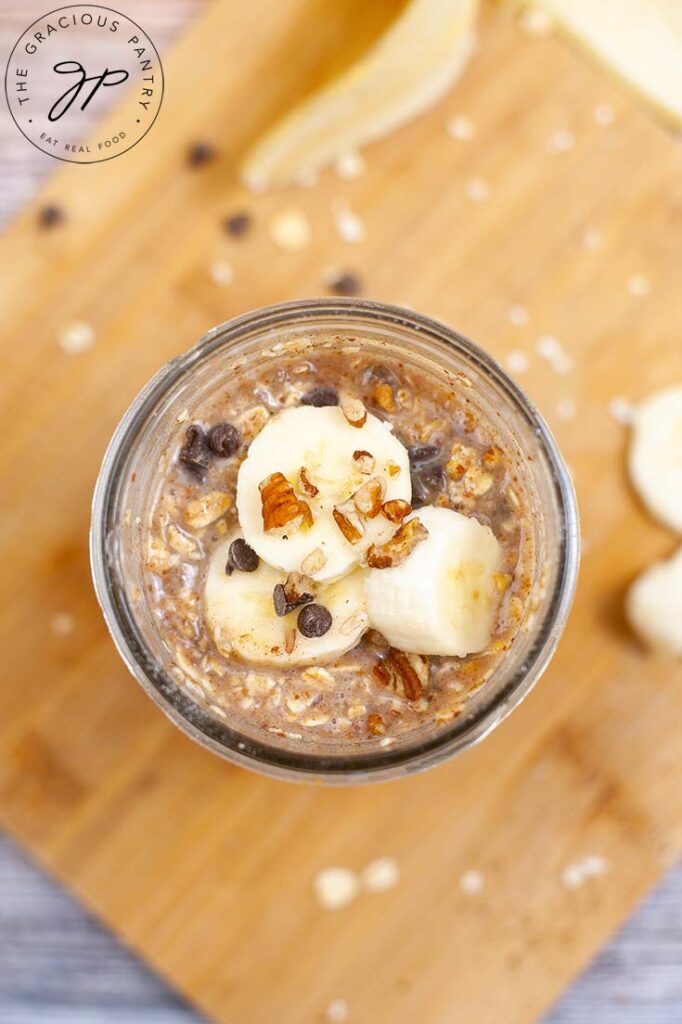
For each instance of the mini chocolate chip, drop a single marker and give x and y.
(195, 455)
(320, 397)
(241, 557)
(282, 606)
(237, 224)
(224, 440)
(314, 620)
(345, 284)
(50, 215)
(200, 153)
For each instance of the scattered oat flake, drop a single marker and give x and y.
(306, 177)
(604, 114)
(477, 190)
(221, 273)
(551, 349)
(335, 887)
(518, 315)
(638, 285)
(561, 141)
(461, 129)
(592, 239)
(566, 409)
(183, 416)
(350, 165)
(380, 874)
(535, 22)
(517, 361)
(76, 337)
(472, 882)
(290, 230)
(621, 410)
(337, 1011)
(62, 624)
(348, 224)
(575, 875)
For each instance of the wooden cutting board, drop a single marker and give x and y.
(202, 868)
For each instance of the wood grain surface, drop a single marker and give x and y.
(202, 868)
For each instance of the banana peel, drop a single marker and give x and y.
(408, 69)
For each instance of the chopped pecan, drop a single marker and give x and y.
(396, 550)
(383, 396)
(313, 562)
(396, 509)
(392, 468)
(348, 521)
(280, 506)
(353, 409)
(376, 725)
(289, 639)
(305, 485)
(364, 462)
(368, 498)
(405, 674)
(306, 514)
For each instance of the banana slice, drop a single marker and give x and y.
(443, 598)
(322, 443)
(241, 615)
(639, 40)
(410, 67)
(654, 606)
(655, 458)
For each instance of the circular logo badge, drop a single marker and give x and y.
(69, 69)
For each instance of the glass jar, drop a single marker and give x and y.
(127, 479)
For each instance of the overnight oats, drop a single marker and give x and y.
(330, 546)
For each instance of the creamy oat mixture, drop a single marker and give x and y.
(373, 693)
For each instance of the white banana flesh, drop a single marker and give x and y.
(241, 615)
(655, 456)
(654, 606)
(322, 441)
(443, 599)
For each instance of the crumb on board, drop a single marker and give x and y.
(472, 882)
(335, 887)
(576, 874)
(76, 337)
(477, 190)
(349, 165)
(461, 128)
(348, 224)
(290, 230)
(380, 874)
(62, 624)
(221, 273)
(337, 1011)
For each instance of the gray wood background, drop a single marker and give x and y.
(59, 966)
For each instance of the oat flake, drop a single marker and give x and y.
(472, 882)
(550, 348)
(461, 129)
(290, 230)
(575, 875)
(350, 165)
(335, 887)
(337, 1011)
(477, 190)
(517, 361)
(621, 409)
(638, 285)
(604, 114)
(221, 273)
(380, 874)
(561, 141)
(518, 315)
(592, 239)
(76, 337)
(62, 624)
(566, 409)
(348, 224)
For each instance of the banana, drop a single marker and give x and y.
(240, 612)
(410, 67)
(639, 40)
(305, 495)
(654, 606)
(443, 598)
(655, 456)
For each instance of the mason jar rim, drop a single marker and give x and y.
(225, 740)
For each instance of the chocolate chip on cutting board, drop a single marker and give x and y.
(314, 621)
(224, 440)
(200, 153)
(241, 557)
(237, 224)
